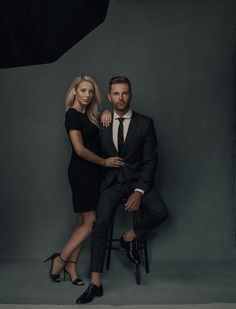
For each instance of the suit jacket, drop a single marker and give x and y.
(139, 153)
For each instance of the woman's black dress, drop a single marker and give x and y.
(84, 177)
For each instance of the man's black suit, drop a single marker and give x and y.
(140, 156)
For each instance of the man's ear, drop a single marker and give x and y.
(109, 96)
(131, 95)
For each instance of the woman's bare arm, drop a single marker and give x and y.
(78, 145)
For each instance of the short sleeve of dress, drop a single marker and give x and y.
(73, 121)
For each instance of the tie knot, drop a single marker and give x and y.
(121, 119)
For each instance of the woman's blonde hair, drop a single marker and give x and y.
(92, 109)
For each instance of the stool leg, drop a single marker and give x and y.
(137, 266)
(146, 259)
(146, 255)
(137, 273)
(110, 244)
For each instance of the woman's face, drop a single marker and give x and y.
(84, 93)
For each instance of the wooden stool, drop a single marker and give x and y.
(140, 244)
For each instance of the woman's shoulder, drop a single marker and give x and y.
(73, 119)
(73, 113)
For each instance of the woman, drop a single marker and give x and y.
(82, 124)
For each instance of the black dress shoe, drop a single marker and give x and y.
(131, 251)
(91, 292)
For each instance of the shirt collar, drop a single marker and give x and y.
(126, 116)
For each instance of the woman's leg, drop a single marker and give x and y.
(71, 266)
(86, 220)
(72, 248)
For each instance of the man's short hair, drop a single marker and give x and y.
(119, 80)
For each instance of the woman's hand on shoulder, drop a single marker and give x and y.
(106, 118)
(114, 162)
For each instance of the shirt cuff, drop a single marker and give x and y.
(139, 190)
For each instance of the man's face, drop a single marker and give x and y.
(120, 96)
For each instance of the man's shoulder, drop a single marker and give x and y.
(142, 117)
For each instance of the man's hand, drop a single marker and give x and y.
(133, 201)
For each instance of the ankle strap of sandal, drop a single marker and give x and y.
(71, 262)
(61, 259)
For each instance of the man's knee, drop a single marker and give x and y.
(165, 214)
(161, 216)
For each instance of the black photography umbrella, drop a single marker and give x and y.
(40, 31)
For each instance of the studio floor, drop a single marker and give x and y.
(27, 282)
(187, 306)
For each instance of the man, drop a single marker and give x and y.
(132, 137)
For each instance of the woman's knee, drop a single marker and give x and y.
(88, 217)
(88, 222)
(86, 228)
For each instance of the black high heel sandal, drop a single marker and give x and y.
(54, 277)
(77, 281)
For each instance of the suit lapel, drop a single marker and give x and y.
(130, 133)
(110, 138)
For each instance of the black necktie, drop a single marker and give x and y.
(120, 135)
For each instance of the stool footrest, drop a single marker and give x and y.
(114, 248)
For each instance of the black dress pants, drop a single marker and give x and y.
(110, 198)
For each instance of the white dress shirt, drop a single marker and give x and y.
(116, 122)
(115, 126)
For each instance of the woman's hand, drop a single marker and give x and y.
(106, 118)
(114, 162)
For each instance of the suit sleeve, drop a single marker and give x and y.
(149, 163)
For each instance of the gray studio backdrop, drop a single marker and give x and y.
(180, 58)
